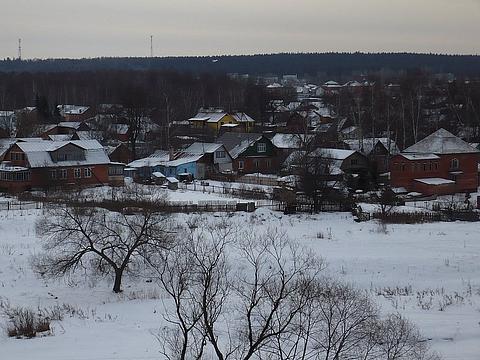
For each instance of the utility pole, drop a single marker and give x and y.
(19, 49)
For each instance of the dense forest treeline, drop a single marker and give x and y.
(331, 64)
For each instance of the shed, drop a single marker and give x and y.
(172, 183)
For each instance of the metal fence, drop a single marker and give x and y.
(20, 205)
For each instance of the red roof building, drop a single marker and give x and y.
(45, 164)
(441, 163)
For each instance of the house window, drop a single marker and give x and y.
(424, 166)
(261, 147)
(87, 172)
(256, 163)
(268, 163)
(220, 154)
(53, 174)
(78, 173)
(454, 164)
(404, 167)
(435, 165)
(63, 173)
(354, 162)
(241, 165)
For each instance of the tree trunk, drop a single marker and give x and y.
(118, 281)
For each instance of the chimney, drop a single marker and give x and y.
(171, 155)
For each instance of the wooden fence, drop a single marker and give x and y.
(420, 217)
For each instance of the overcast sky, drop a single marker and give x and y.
(92, 28)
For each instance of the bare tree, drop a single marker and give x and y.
(275, 305)
(111, 243)
(400, 340)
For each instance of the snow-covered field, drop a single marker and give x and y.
(429, 272)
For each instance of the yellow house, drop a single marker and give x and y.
(214, 119)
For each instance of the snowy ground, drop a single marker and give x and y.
(430, 272)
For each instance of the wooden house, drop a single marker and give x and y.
(251, 153)
(46, 164)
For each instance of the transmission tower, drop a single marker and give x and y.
(151, 45)
(19, 49)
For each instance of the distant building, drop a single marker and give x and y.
(214, 119)
(75, 112)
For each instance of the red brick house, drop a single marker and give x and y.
(46, 164)
(440, 164)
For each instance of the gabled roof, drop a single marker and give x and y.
(441, 142)
(368, 144)
(242, 117)
(237, 143)
(203, 148)
(60, 137)
(38, 153)
(335, 154)
(211, 117)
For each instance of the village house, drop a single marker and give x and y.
(44, 164)
(288, 143)
(214, 119)
(75, 112)
(441, 163)
(378, 151)
(349, 167)
(215, 157)
(63, 128)
(169, 164)
(251, 153)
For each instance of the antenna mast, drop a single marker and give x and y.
(19, 49)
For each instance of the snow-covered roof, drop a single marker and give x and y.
(211, 116)
(331, 83)
(242, 117)
(441, 142)
(38, 153)
(172, 180)
(162, 158)
(158, 174)
(203, 148)
(420, 156)
(72, 109)
(60, 137)
(367, 145)
(435, 181)
(236, 143)
(336, 154)
(5, 144)
(290, 141)
(70, 124)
